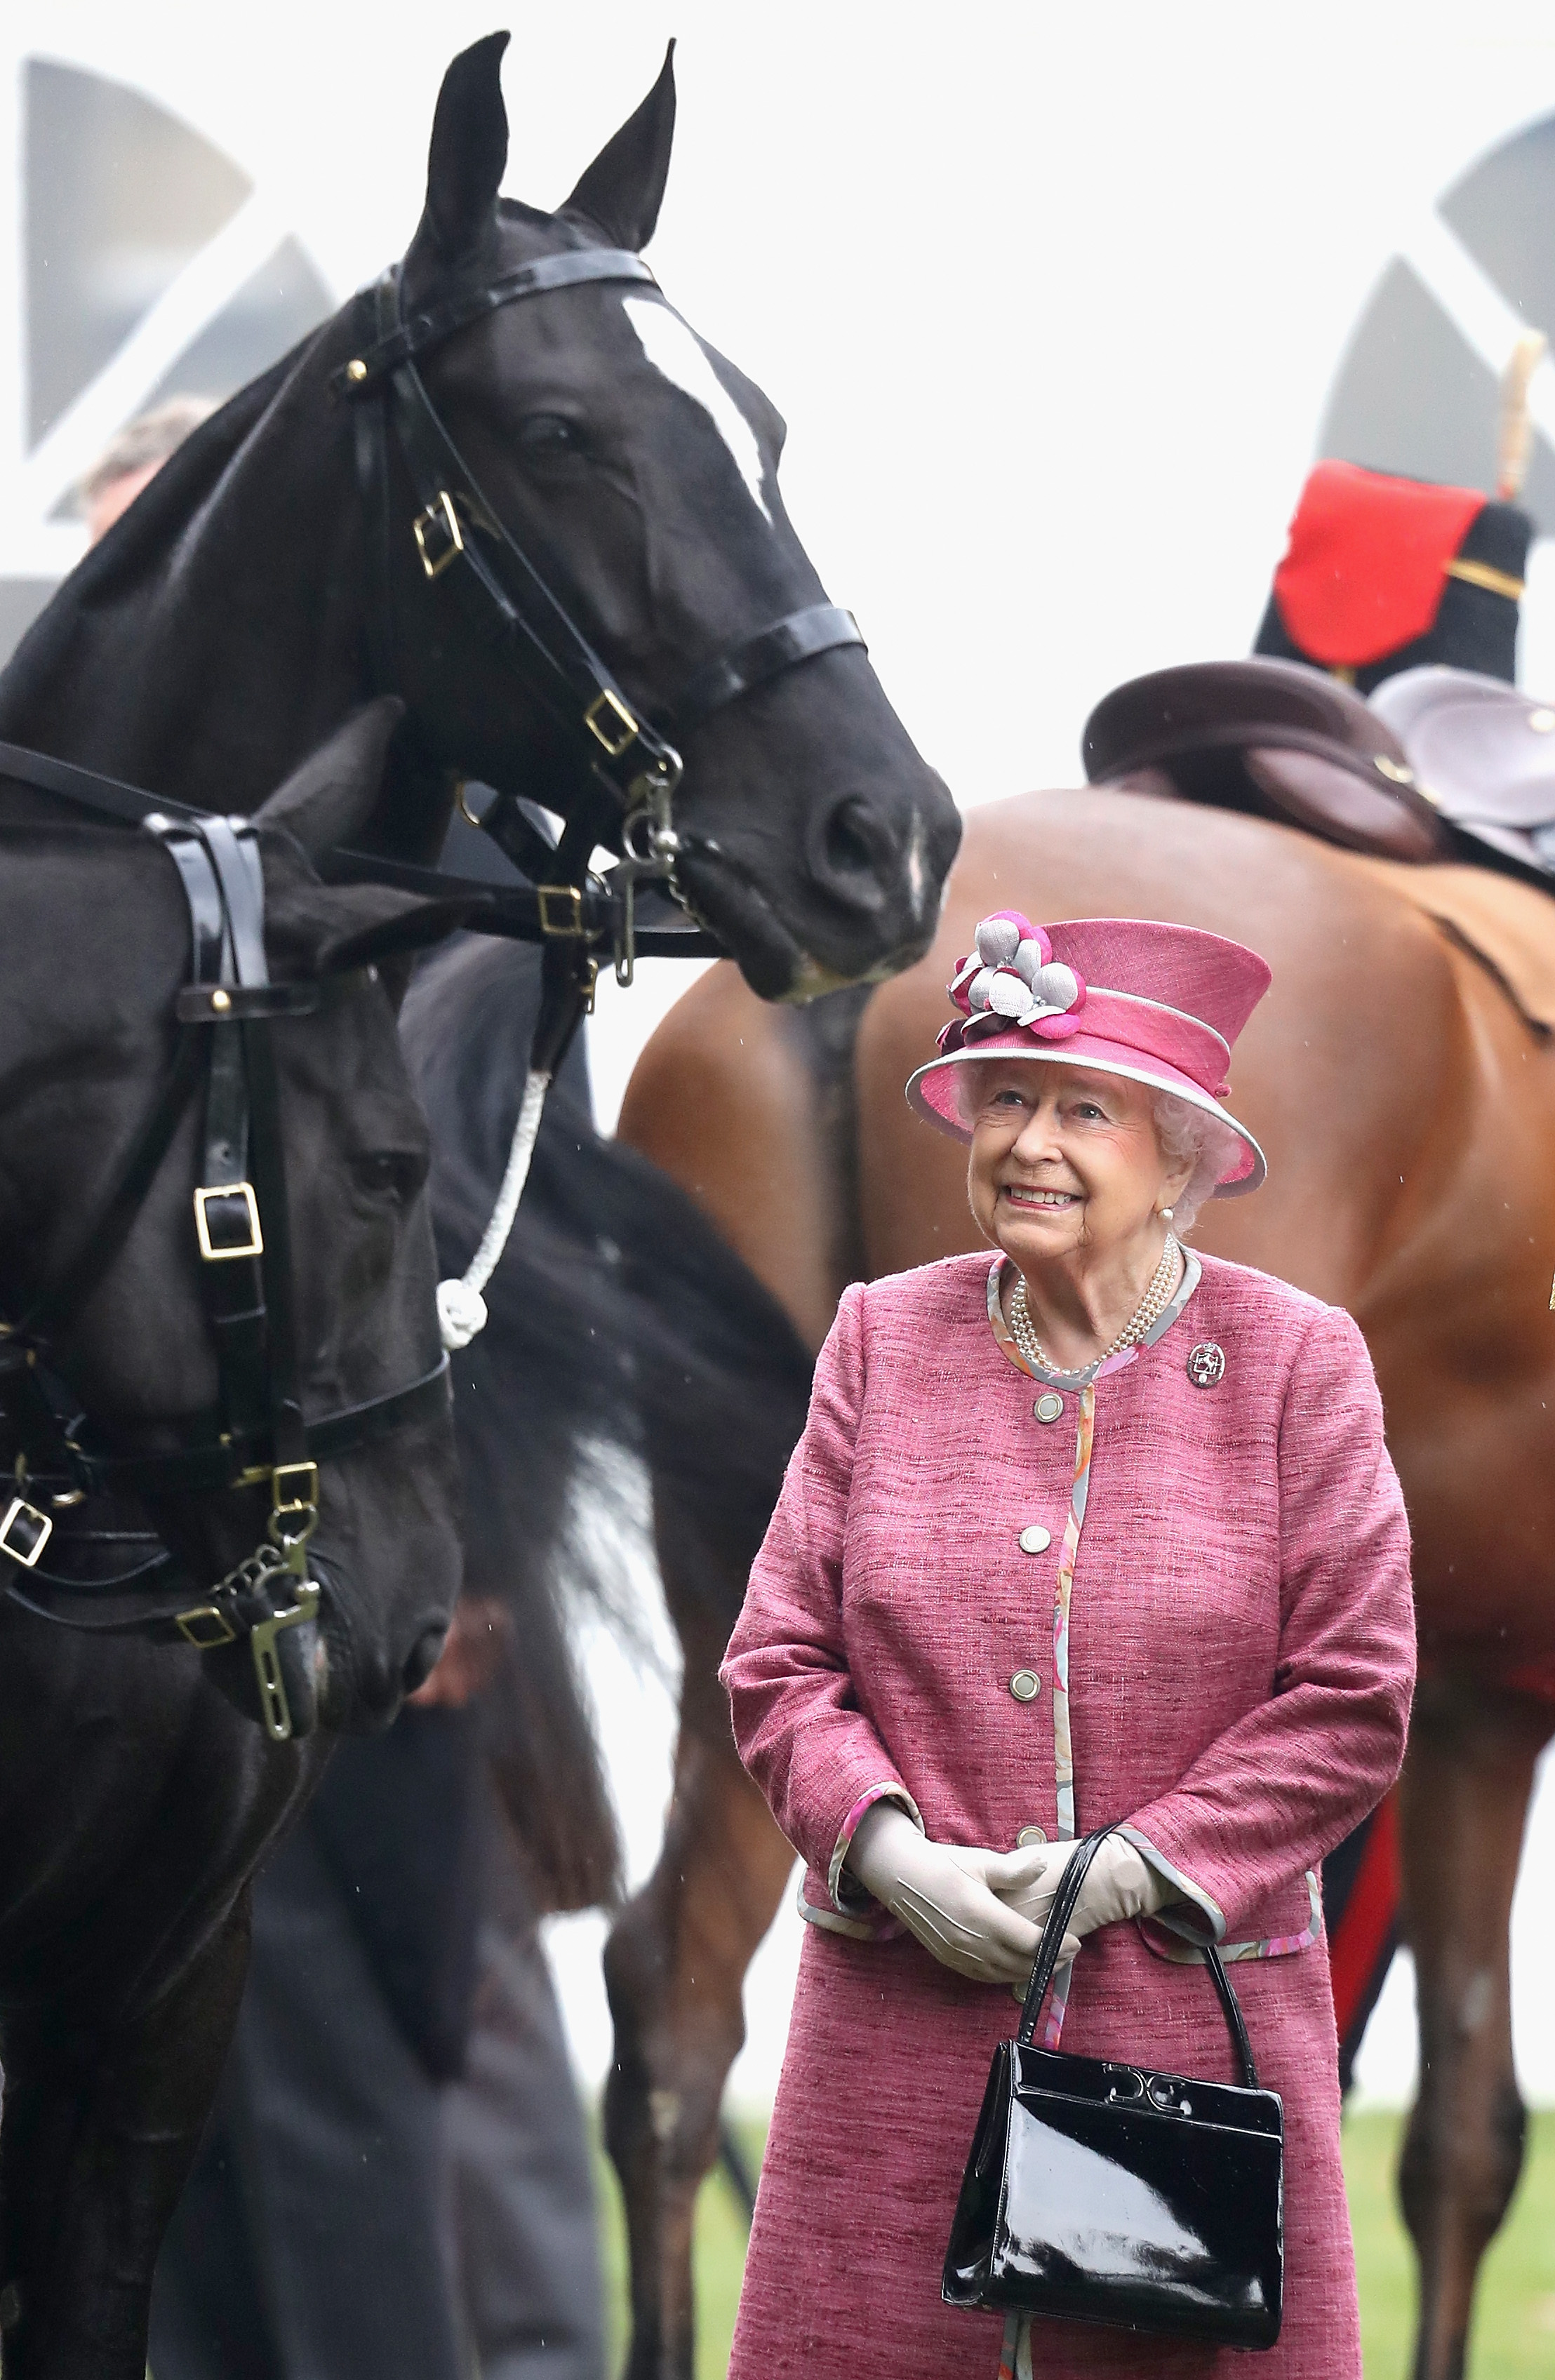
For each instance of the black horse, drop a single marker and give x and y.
(284, 566)
(136, 1788)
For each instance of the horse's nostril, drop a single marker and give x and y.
(848, 841)
(855, 842)
(423, 1658)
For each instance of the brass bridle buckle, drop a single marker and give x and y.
(439, 520)
(216, 1251)
(293, 1514)
(24, 1531)
(610, 723)
(205, 1626)
(566, 900)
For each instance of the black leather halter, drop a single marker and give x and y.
(259, 1434)
(625, 769)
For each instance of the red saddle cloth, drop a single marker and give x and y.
(1365, 567)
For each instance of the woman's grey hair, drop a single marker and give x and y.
(1183, 1130)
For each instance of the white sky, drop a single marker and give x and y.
(1050, 295)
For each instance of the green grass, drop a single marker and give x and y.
(1514, 2322)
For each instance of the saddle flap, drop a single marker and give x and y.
(1369, 813)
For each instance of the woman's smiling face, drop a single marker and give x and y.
(1064, 1160)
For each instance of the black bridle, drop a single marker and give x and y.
(622, 769)
(260, 1435)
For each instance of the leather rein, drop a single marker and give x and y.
(259, 1434)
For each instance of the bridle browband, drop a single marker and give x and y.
(259, 1434)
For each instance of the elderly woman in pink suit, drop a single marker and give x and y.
(1103, 1534)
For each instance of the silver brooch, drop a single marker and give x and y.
(1207, 1365)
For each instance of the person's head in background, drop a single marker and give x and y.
(132, 458)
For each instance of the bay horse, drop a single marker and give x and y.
(1408, 1112)
(138, 1789)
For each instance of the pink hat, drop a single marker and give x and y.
(1161, 1004)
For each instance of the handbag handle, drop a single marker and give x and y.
(1068, 1893)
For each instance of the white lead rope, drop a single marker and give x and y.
(461, 1309)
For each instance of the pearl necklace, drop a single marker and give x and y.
(1148, 1310)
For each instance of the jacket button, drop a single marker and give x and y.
(1049, 1406)
(1025, 1685)
(1036, 1539)
(1030, 1836)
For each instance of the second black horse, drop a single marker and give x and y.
(138, 1788)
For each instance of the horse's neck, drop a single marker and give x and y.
(216, 637)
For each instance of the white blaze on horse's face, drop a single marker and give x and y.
(672, 347)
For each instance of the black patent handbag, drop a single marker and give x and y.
(1103, 2192)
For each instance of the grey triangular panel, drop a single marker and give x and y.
(276, 306)
(1503, 211)
(1412, 396)
(119, 197)
(22, 600)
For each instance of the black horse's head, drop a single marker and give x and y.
(84, 1051)
(638, 469)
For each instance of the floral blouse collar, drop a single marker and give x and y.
(1193, 1272)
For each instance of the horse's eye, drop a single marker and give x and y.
(390, 1173)
(549, 437)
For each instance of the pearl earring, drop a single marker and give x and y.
(1166, 1214)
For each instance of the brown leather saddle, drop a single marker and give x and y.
(1439, 764)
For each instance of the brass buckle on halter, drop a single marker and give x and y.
(24, 1531)
(253, 1243)
(205, 1627)
(571, 898)
(294, 1505)
(439, 518)
(614, 739)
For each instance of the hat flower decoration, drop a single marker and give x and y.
(1010, 980)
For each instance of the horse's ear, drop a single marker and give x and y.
(330, 797)
(469, 155)
(624, 187)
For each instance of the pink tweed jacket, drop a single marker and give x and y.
(1203, 1565)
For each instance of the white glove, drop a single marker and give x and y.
(947, 1897)
(1119, 1884)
